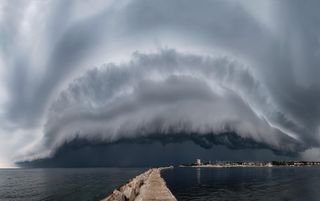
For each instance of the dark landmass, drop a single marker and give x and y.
(219, 164)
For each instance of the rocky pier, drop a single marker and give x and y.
(148, 186)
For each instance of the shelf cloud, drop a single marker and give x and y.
(163, 93)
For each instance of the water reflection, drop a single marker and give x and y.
(198, 175)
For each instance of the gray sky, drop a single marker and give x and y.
(124, 69)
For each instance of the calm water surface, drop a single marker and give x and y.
(274, 184)
(62, 184)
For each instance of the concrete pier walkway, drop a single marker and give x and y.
(155, 189)
(149, 186)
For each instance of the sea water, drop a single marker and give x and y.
(274, 184)
(84, 184)
(65, 184)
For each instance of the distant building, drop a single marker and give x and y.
(198, 162)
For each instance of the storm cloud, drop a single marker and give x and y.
(163, 68)
(163, 93)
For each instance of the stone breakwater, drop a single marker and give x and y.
(144, 187)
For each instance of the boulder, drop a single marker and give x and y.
(129, 193)
(115, 196)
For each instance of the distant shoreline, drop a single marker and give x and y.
(205, 166)
(254, 164)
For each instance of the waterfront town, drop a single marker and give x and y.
(219, 164)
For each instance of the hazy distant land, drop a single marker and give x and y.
(222, 164)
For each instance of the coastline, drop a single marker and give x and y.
(146, 186)
(270, 164)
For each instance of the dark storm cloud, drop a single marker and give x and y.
(127, 153)
(165, 93)
(266, 88)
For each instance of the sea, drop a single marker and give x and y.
(65, 184)
(234, 184)
(91, 184)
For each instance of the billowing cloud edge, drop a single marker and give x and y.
(166, 96)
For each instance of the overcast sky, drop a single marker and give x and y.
(126, 69)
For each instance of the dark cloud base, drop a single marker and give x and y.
(156, 150)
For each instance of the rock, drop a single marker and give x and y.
(136, 183)
(122, 188)
(115, 196)
(129, 193)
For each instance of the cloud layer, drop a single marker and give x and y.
(204, 67)
(164, 93)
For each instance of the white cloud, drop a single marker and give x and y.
(312, 154)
